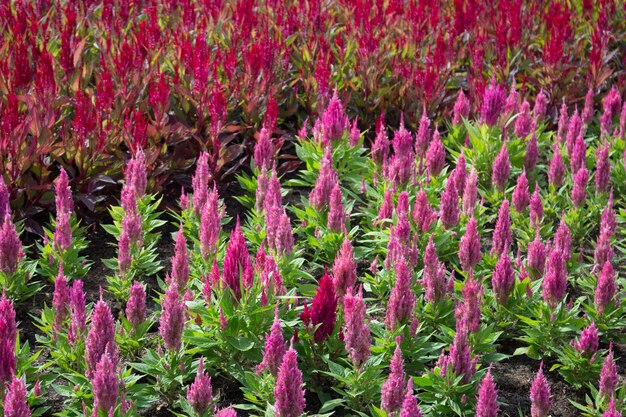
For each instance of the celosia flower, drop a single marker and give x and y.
(180, 264)
(523, 124)
(200, 183)
(536, 207)
(423, 214)
(63, 194)
(470, 307)
(409, 404)
(511, 104)
(326, 180)
(334, 119)
(579, 192)
(449, 205)
(608, 375)
(434, 275)
(540, 396)
(200, 392)
(210, 224)
(470, 192)
(355, 134)
(578, 155)
(422, 139)
(487, 401)
(261, 189)
(503, 279)
(501, 169)
(402, 164)
(563, 124)
(611, 103)
(460, 359)
(62, 232)
(5, 199)
(532, 153)
(607, 287)
(324, 308)
(555, 280)
(556, 171)
(541, 104)
(386, 209)
(263, 150)
(101, 337)
(124, 255)
(536, 256)
(336, 214)
(607, 220)
(493, 103)
(60, 298)
(16, 399)
(284, 236)
(610, 410)
(226, 412)
(603, 168)
(172, 319)
(8, 334)
(436, 155)
(288, 392)
(588, 109)
(521, 194)
(78, 316)
(136, 304)
(502, 237)
(402, 298)
(574, 133)
(356, 332)
(135, 175)
(392, 393)
(563, 239)
(587, 344)
(380, 147)
(461, 108)
(604, 249)
(236, 262)
(469, 246)
(460, 174)
(274, 348)
(104, 384)
(344, 268)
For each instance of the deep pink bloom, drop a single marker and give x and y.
(511, 105)
(563, 239)
(423, 213)
(502, 237)
(541, 105)
(611, 104)
(436, 155)
(578, 155)
(607, 287)
(101, 337)
(261, 189)
(574, 132)
(8, 334)
(555, 280)
(324, 308)
(540, 396)
(264, 150)
(288, 392)
(422, 139)
(610, 410)
(556, 171)
(78, 316)
(603, 168)
(501, 169)
(461, 108)
(536, 256)
(449, 205)
(588, 109)
(136, 304)
(180, 263)
(63, 194)
(487, 401)
(172, 319)
(200, 392)
(326, 180)
(523, 124)
(386, 209)
(355, 134)
(536, 207)
(402, 163)
(336, 214)
(16, 399)
(5, 200)
(274, 348)
(237, 263)
(380, 147)
(460, 359)
(226, 412)
(62, 231)
(563, 124)
(124, 255)
(409, 404)
(521, 194)
(608, 376)
(532, 153)
(344, 268)
(503, 279)
(460, 174)
(607, 220)
(11, 252)
(604, 249)
(356, 332)
(469, 246)
(493, 103)
(210, 224)
(470, 307)
(434, 275)
(588, 342)
(104, 384)
(392, 392)
(470, 193)
(200, 183)
(402, 298)
(579, 192)
(135, 175)
(60, 298)
(334, 119)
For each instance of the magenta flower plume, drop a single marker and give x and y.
(423, 213)
(402, 163)
(523, 123)
(136, 305)
(578, 154)
(8, 334)
(470, 307)
(11, 252)
(532, 153)
(334, 119)
(200, 392)
(461, 108)
(105, 385)
(392, 392)
(511, 105)
(200, 183)
(356, 332)
(336, 214)
(402, 299)
(574, 133)
(556, 170)
(124, 255)
(493, 103)
(502, 237)
(536, 207)
(274, 348)
(469, 246)
(607, 287)
(487, 401)
(409, 404)
(5, 199)
(63, 194)
(172, 321)
(237, 262)
(607, 219)
(288, 391)
(449, 205)
(422, 138)
(563, 239)
(521, 194)
(540, 396)
(470, 193)
(434, 275)
(608, 376)
(261, 189)
(503, 279)
(326, 180)
(355, 134)
(587, 115)
(60, 298)
(380, 147)
(101, 337)
(501, 169)
(386, 209)
(579, 192)
(563, 124)
(226, 412)
(78, 315)
(610, 410)
(555, 280)
(436, 155)
(180, 263)
(541, 105)
(62, 231)
(460, 359)
(135, 174)
(16, 399)
(604, 249)
(460, 174)
(210, 224)
(603, 168)
(263, 150)
(344, 268)
(536, 256)
(324, 308)
(588, 342)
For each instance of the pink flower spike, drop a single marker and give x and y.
(608, 376)
(172, 319)
(200, 392)
(409, 404)
(344, 268)
(16, 399)
(540, 396)
(393, 391)
(461, 108)
(469, 246)
(288, 392)
(274, 348)
(487, 401)
(521, 194)
(501, 169)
